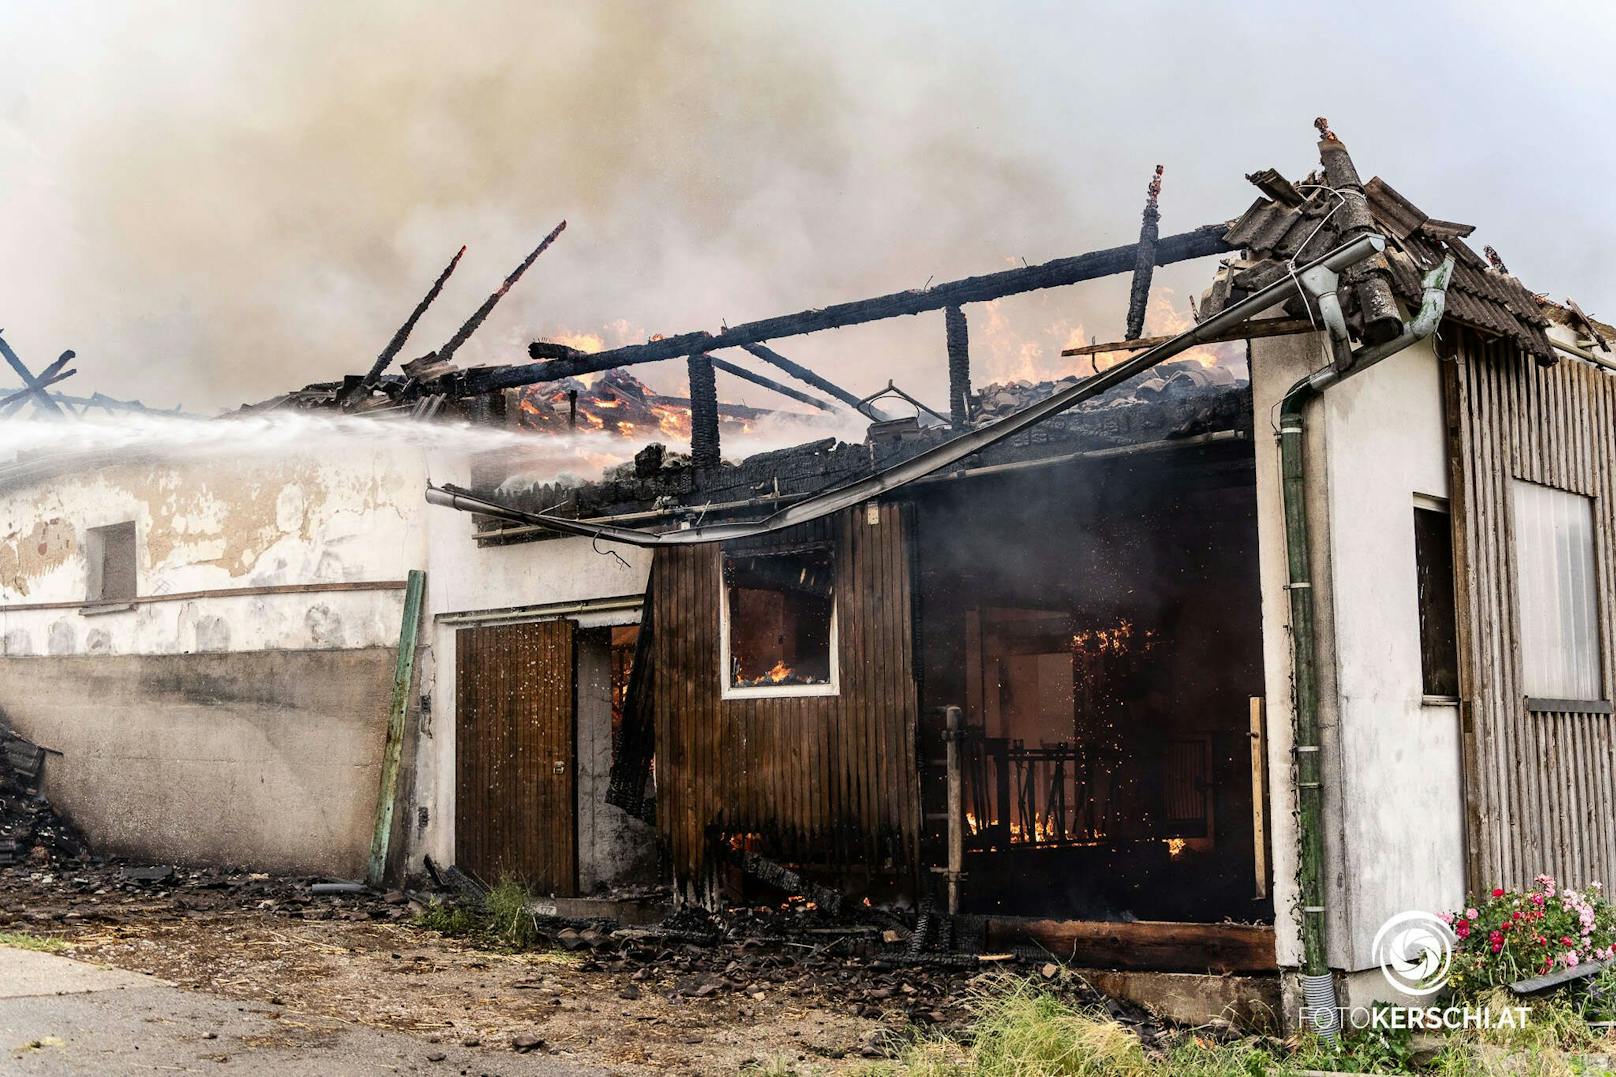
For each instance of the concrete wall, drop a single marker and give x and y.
(235, 711)
(1393, 799)
(267, 759)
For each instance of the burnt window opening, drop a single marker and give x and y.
(1439, 634)
(111, 552)
(779, 630)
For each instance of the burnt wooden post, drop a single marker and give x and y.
(955, 721)
(959, 366)
(704, 452)
(1144, 265)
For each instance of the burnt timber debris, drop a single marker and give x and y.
(1145, 263)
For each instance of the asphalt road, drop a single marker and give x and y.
(60, 1016)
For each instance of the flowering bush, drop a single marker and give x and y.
(1516, 935)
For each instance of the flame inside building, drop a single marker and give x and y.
(1097, 625)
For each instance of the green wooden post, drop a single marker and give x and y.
(403, 674)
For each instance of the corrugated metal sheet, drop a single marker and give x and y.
(1539, 786)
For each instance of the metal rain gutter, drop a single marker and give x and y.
(1318, 985)
(940, 456)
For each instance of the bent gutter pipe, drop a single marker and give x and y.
(1317, 983)
(951, 451)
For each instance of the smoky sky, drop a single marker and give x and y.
(212, 203)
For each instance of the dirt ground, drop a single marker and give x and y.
(662, 1007)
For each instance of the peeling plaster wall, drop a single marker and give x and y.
(213, 727)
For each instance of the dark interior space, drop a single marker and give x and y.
(1099, 623)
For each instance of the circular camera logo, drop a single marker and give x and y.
(1415, 950)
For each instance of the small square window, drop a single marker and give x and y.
(778, 635)
(111, 553)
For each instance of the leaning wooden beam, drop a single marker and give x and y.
(803, 374)
(446, 352)
(1268, 327)
(1200, 243)
(768, 383)
(393, 748)
(395, 345)
(1145, 264)
(28, 379)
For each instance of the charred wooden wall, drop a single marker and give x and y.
(826, 782)
(1540, 786)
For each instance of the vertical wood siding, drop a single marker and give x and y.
(823, 781)
(515, 757)
(1540, 787)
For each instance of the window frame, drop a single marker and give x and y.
(1437, 506)
(727, 690)
(1599, 702)
(96, 551)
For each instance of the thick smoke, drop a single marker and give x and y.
(227, 202)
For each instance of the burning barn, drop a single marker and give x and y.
(1155, 664)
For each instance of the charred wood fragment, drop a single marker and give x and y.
(390, 352)
(1144, 265)
(959, 366)
(775, 874)
(704, 449)
(446, 352)
(635, 749)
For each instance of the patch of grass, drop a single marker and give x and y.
(503, 920)
(22, 941)
(509, 915)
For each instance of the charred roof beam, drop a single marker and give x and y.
(35, 386)
(809, 377)
(1200, 243)
(769, 383)
(1145, 263)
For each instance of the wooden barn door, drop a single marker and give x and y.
(515, 755)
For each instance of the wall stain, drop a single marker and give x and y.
(26, 556)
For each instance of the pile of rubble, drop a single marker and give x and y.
(52, 893)
(850, 961)
(30, 831)
(1171, 380)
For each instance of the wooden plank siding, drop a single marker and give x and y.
(826, 782)
(515, 754)
(1540, 788)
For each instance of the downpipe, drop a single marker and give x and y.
(1317, 983)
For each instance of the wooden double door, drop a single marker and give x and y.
(516, 754)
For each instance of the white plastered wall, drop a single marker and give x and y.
(1393, 794)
